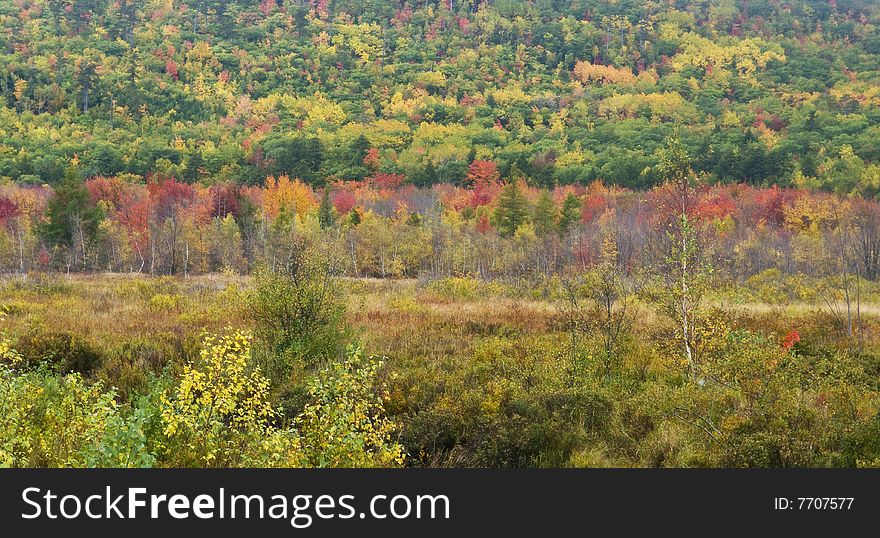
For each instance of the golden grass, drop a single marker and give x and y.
(392, 317)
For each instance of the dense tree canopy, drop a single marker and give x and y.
(562, 91)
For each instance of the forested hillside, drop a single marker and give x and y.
(563, 92)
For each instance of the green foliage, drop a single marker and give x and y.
(762, 405)
(51, 421)
(508, 404)
(58, 351)
(72, 218)
(326, 212)
(463, 288)
(570, 213)
(760, 98)
(298, 313)
(544, 215)
(349, 94)
(296, 157)
(512, 210)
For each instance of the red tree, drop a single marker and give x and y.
(344, 201)
(482, 172)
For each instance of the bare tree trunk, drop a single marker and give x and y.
(20, 249)
(354, 266)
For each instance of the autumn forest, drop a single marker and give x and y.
(439, 233)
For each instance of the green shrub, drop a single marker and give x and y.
(299, 318)
(128, 366)
(47, 420)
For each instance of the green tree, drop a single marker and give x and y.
(326, 212)
(72, 218)
(298, 313)
(544, 215)
(194, 167)
(297, 157)
(570, 214)
(512, 210)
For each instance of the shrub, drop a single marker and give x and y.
(129, 365)
(298, 314)
(465, 288)
(219, 413)
(62, 351)
(162, 302)
(344, 425)
(61, 421)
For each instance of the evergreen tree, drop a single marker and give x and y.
(545, 214)
(512, 210)
(326, 212)
(297, 157)
(427, 176)
(194, 165)
(359, 149)
(570, 214)
(72, 218)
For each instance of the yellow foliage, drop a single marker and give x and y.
(511, 95)
(661, 106)
(809, 214)
(220, 414)
(746, 56)
(604, 74)
(286, 195)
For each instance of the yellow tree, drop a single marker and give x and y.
(286, 195)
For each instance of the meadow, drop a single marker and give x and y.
(480, 373)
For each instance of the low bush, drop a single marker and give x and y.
(61, 351)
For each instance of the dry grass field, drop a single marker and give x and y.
(490, 374)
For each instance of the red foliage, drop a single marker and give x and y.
(267, 6)
(344, 201)
(106, 189)
(481, 171)
(224, 200)
(484, 193)
(129, 203)
(402, 16)
(483, 176)
(386, 181)
(594, 205)
(483, 224)
(43, 258)
(171, 68)
(583, 253)
(168, 196)
(712, 206)
(790, 339)
(769, 204)
(320, 7)
(8, 209)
